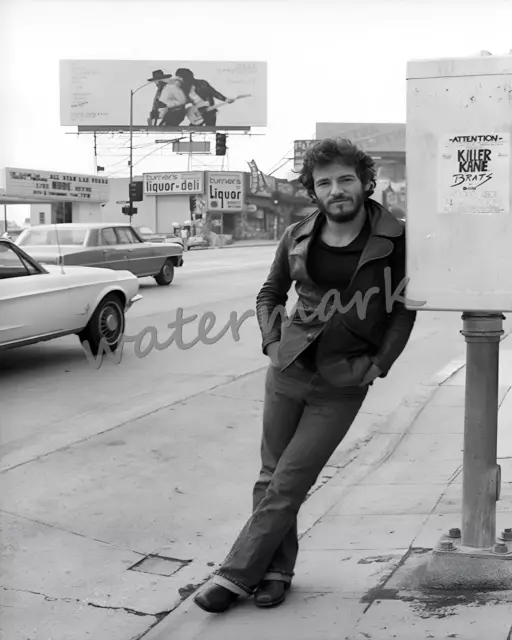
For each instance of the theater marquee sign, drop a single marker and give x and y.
(54, 186)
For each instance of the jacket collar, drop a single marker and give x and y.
(382, 222)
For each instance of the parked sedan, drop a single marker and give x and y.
(41, 303)
(148, 235)
(197, 242)
(107, 245)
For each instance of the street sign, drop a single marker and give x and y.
(122, 202)
(191, 147)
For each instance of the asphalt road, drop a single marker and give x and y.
(154, 455)
(54, 384)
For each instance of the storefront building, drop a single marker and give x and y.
(55, 197)
(236, 204)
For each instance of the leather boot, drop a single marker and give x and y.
(271, 593)
(215, 599)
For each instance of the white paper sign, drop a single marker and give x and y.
(474, 173)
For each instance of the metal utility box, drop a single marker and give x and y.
(459, 175)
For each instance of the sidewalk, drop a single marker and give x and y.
(357, 563)
(260, 242)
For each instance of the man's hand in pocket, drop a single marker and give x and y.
(372, 374)
(272, 350)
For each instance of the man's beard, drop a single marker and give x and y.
(348, 213)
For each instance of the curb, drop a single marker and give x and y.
(368, 461)
(232, 246)
(248, 246)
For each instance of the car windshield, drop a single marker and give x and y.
(145, 230)
(41, 237)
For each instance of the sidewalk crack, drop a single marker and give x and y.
(380, 592)
(134, 612)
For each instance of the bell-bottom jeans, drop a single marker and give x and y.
(304, 421)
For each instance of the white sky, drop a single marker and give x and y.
(328, 61)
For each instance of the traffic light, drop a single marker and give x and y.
(220, 144)
(135, 191)
(129, 211)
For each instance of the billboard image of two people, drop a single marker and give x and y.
(171, 94)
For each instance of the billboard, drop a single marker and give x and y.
(225, 192)
(175, 93)
(177, 183)
(369, 136)
(54, 186)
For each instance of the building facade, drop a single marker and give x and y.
(228, 203)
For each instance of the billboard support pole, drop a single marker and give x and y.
(190, 153)
(132, 93)
(130, 162)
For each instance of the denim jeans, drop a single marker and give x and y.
(304, 421)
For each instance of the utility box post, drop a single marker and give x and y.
(459, 228)
(481, 473)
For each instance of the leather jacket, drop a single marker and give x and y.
(366, 325)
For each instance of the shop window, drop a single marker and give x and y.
(62, 212)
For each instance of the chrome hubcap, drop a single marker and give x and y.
(111, 322)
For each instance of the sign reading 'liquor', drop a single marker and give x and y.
(225, 191)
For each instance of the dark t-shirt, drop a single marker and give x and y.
(332, 268)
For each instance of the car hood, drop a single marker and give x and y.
(91, 273)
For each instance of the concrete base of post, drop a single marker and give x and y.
(454, 566)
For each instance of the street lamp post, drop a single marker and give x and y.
(132, 93)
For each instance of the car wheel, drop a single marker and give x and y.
(106, 325)
(166, 275)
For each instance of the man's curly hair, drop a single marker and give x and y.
(339, 150)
